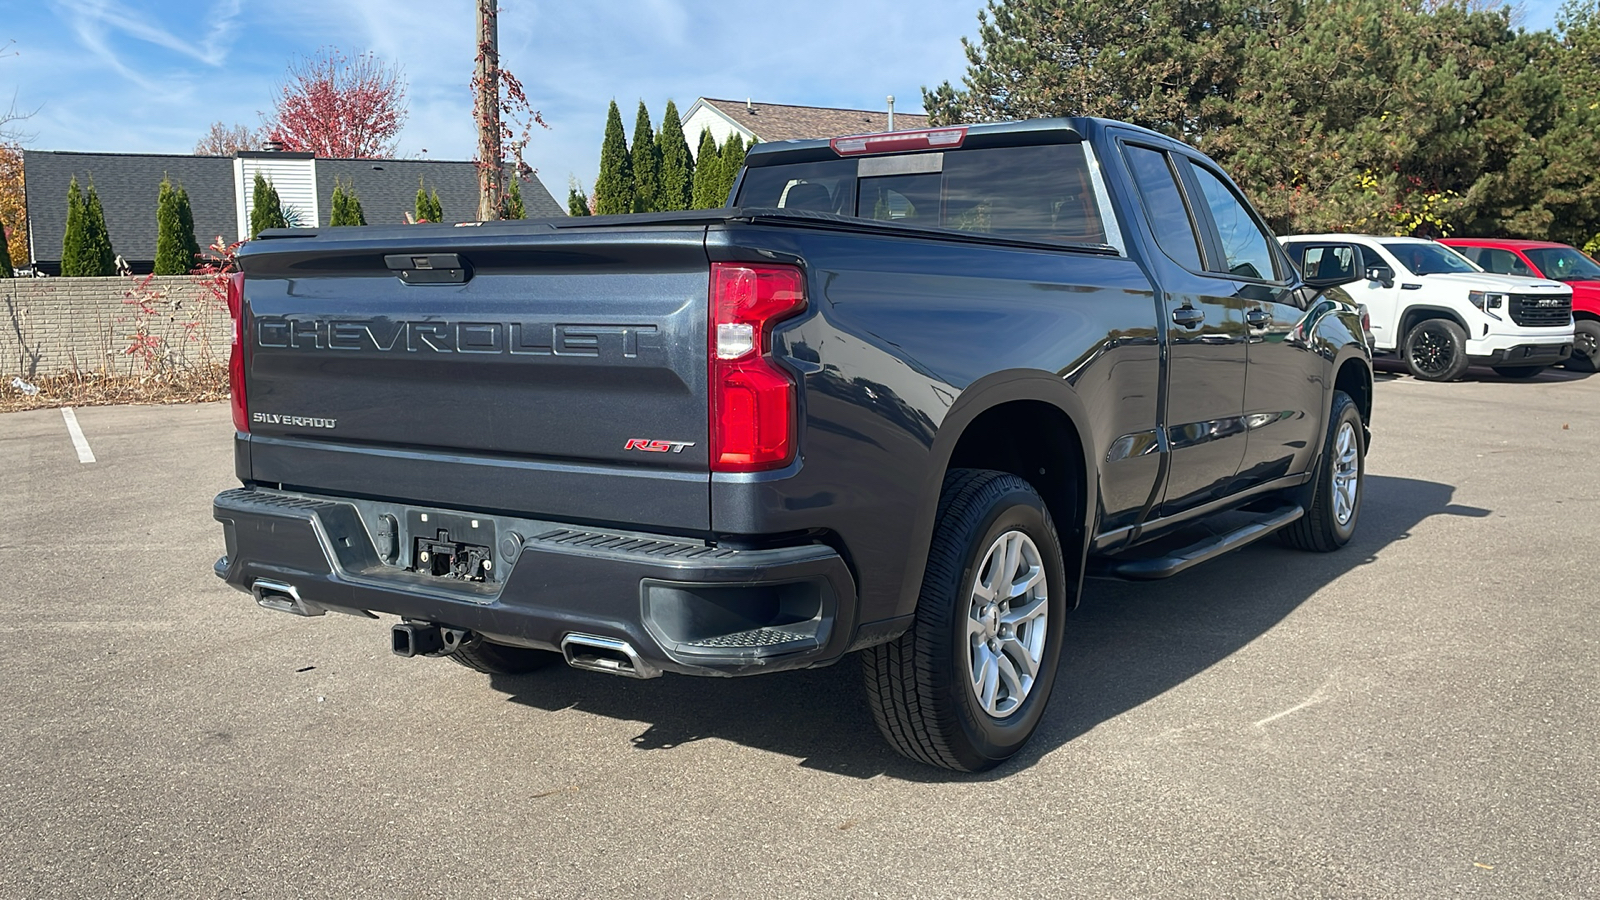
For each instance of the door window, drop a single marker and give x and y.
(1163, 204)
(1502, 262)
(1246, 249)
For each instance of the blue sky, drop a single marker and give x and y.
(151, 75)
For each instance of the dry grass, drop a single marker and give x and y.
(195, 384)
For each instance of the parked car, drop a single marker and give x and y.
(899, 401)
(1558, 262)
(1439, 311)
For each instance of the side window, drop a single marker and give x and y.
(1501, 262)
(1246, 249)
(1324, 261)
(1163, 204)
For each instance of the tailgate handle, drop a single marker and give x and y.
(429, 268)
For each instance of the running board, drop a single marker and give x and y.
(1152, 568)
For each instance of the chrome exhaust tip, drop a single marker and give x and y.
(276, 595)
(603, 654)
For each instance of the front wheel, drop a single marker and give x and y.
(1330, 519)
(1436, 350)
(1518, 371)
(966, 687)
(1585, 347)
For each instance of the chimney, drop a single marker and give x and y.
(891, 112)
(273, 147)
(749, 107)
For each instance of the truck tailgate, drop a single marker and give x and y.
(559, 374)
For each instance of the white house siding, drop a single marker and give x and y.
(295, 181)
(701, 117)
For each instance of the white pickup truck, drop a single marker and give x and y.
(1439, 311)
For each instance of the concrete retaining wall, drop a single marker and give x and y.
(51, 325)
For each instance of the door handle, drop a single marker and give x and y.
(1258, 318)
(1188, 316)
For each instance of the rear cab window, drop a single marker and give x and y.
(1038, 193)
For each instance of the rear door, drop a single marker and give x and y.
(544, 374)
(1205, 337)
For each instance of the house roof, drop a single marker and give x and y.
(128, 186)
(388, 189)
(780, 122)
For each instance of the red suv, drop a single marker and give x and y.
(1557, 262)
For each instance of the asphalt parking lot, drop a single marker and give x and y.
(1414, 716)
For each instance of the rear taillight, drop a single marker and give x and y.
(241, 410)
(753, 419)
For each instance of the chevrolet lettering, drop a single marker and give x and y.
(513, 338)
(920, 385)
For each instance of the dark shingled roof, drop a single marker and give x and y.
(778, 122)
(388, 189)
(128, 185)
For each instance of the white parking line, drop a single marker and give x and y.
(79, 442)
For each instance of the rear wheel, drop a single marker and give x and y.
(966, 687)
(1518, 371)
(1585, 347)
(499, 659)
(1436, 350)
(1330, 518)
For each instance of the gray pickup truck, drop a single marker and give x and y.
(899, 398)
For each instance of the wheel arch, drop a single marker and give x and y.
(1031, 402)
(1416, 314)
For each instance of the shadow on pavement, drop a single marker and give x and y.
(1391, 368)
(1126, 644)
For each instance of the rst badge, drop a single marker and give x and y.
(650, 446)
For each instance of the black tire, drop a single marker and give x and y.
(1585, 347)
(499, 659)
(1321, 530)
(1436, 350)
(1518, 371)
(921, 687)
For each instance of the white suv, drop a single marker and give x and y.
(1438, 310)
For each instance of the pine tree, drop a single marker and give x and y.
(646, 164)
(337, 204)
(428, 208)
(511, 206)
(613, 190)
(191, 246)
(7, 270)
(577, 202)
(732, 161)
(266, 210)
(102, 258)
(73, 246)
(707, 174)
(170, 249)
(676, 179)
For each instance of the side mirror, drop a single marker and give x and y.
(1381, 274)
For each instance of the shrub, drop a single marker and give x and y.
(266, 210)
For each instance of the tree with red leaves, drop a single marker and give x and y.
(340, 108)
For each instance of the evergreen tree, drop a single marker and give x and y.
(511, 206)
(613, 190)
(676, 180)
(191, 246)
(707, 174)
(266, 210)
(7, 270)
(171, 251)
(101, 257)
(74, 263)
(577, 202)
(732, 158)
(646, 164)
(337, 206)
(428, 208)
